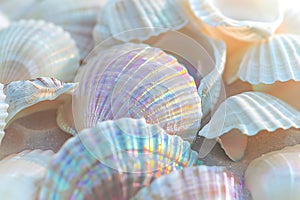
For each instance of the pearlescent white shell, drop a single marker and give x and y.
(250, 112)
(31, 49)
(137, 81)
(3, 112)
(274, 59)
(113, 160)
(143, 20)
(275, 175)
(237, 18)
(201, 182)
(21, 174)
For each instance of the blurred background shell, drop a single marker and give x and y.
(113, 160)
(275, 175)
(31, 49)
(201, 182)
(4, 21)
(3, 111)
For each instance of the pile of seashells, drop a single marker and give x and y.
(149, 99)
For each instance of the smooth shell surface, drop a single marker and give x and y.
(113, 160)
(201, 182)
(31, 49)
(21, 174)
(274, 59)
(15, 9)
(275, 175)
(137, 81)
(4, 21)
(3, 112)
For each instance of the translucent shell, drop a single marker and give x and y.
(22, 173)
(236, 18)
(275, 175)
(137, 81)
(3, 112)
(274, 59)
(201, 182)
(143, 20)
(31, 49)
(249, 112)
(113, 160)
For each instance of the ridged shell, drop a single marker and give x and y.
(75, 16)
(3, 112)
(275, 59)
(249, 112)
(143, 20)
(201, 182)
(22, 173)
(137, 81)
(275, 175)
(236, 19)
(20, 95)
(31, 49)
(113, 160)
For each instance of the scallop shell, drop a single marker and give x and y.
(3, 112)
(75, 16)
(24, 55)
(137, 81)
(275, 59)
(236, 18)
(144, 19)
(275, 175)
(113, 160)
(22, 173)
(21, 95)
(201, 182)
(248, 112)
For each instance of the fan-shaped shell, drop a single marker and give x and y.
(75, 16)
(113, 160)
(275, 175)
(3, 112)
(237, 19)
(31, 49)
(275, 59)
(22, 173)
(137, 81)
(249, 112)
(201, 182)
(20, 95)
(143, 20)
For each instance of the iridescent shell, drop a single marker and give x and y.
(22, 173)
(113, 160)
(3, 112)
(31, 49)
(248, 112)
(275, 175)
(137, 81)
(201, 182)
(43, 93)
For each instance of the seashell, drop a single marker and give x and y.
(113, 160)
(291, 19)
(23, 95)
(3, 112)
(22, 173)
(137, 81)
(236, 19)
(16, 12)
(54, 56)
(275, 175)
(249, 113)
(201, 182)
(144, 19)
(275, 59)
(75, 16)
(4, 21)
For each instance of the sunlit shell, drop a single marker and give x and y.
(249, 112)
(75, 16)
(113, 160)
(31, 49)
(21, 174)
(275, 59)
(275, 175)
(3, 112)
(143, 20)
(237, 18)
(21, 95)
(137, 81)
(201, 182)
